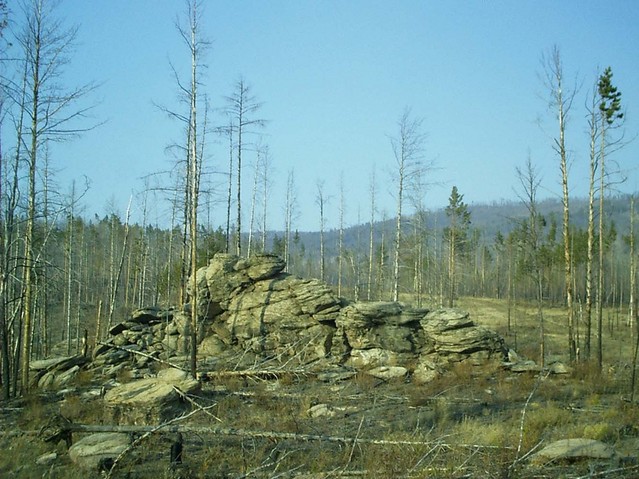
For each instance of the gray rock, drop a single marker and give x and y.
(90, 450)
(150, 400)
(388, 372)
(559, 368)
(46, 459)
(578, 448)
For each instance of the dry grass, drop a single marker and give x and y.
(470, 421)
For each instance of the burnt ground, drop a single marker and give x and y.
(467, 423)
(472, 422)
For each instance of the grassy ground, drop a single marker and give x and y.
(471, 422)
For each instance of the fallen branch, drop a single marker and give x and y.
(140, 353)
(251, 373)
(196, 405)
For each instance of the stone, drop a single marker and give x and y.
(90, 450)
(559, 368)
(524, 366)
(321, 410)
(48, 364)
(150, 400)
(46, 459)
(151, 315)
(371, 358)
(388, 372)
(578, 448)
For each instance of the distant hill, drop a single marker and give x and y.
(488, 218)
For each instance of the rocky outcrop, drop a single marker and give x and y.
(56, 372)
(254, 310)
(254, 306)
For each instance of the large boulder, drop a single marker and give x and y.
(452, 334)
(151, 400)
(388, 326)
(89, 451)
(255, 306)
(574, 449)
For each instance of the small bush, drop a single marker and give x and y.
(601, 431)
(543, 421)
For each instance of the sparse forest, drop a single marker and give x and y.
(567, 265)
(64, 274)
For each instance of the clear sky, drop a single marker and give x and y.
(335, 76)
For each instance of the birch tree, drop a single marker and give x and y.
(530, 237)
(242, 105)
(593, 125)
(289, 214)
(320, 200)
(408, 152)
(52, 113)
(561, 101)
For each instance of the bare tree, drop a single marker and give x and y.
(340, 240)
(256, 175)
(408, 150)
(531, 238)
(371, 236)
(116, 274)
(289, 213)
(229, 198)
(52, 114)
(266, 184)
(320, 200)
(593, 125)
(196, 45)
(561, 100)
(242, 105)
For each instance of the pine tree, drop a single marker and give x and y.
(456, 237)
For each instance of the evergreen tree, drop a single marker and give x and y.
(456, 237)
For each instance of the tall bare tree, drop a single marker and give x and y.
(242, 105)
(594, 132)
(289, 214)
(52, 114)
(340, 234)
(561, 100)
(320, 200)
(266, 186)
(371, 236)
(196, 45)
(408, 148)
(530, 237)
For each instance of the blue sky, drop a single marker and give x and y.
(335, 76)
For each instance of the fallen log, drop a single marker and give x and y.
(251, 373)
(227, 431)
